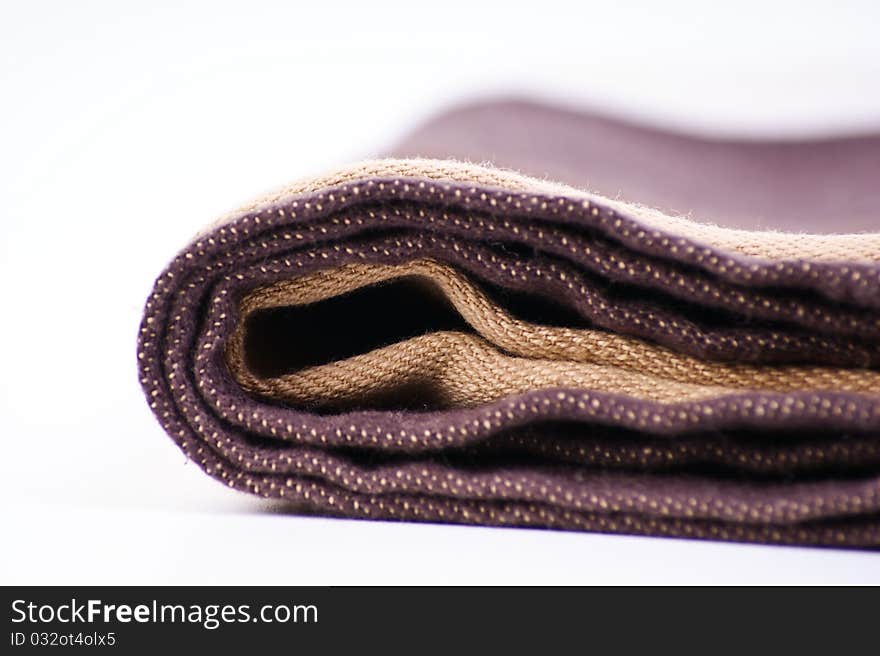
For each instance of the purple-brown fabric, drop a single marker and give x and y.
(821, 185)
(787, 467)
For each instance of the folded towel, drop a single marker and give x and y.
(433, 340)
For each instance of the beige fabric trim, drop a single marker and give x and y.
(757, 244)
(507, 356)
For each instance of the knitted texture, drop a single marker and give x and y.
(440, 341)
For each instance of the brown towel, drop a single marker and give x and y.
(434, 340)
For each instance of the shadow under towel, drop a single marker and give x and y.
(427, 339)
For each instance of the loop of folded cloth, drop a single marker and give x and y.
(440, 341)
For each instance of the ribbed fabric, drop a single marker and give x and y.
(507, 356)
(432, 340)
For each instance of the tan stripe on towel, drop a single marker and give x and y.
(762, 245)
(507, 355)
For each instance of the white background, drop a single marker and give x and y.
(126, 126)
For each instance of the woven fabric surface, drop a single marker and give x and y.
(435, 340)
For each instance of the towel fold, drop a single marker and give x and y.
(433, 340)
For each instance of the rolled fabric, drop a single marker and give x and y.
(434, 340)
